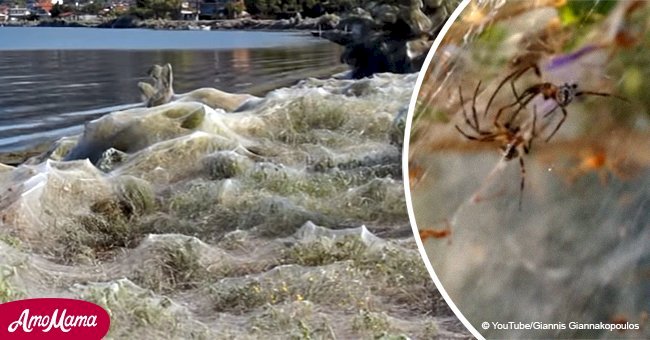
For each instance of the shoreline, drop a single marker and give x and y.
(128, 22)
(16, 157)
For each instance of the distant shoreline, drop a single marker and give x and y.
(127, 22)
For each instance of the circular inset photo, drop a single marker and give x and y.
(528, 161)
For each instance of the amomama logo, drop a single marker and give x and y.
(51, 318)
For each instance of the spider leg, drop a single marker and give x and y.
(498, 115)
(523, 180)
(564, 114)
(523, 100)
(512, 76)
(512, 82)
(529, 94)
(488, 137)
(550, 112)
(462, 104)
(512, 85)
(465, 134)
(522, 105)
(533, 134)
(602, 94)
(474, 106)
(536, 69)
(494, 94)
(474, 125)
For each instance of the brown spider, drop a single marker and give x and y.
(512, 139)
(512, 77)
(562, 95)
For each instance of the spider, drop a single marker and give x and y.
(562, 95)
(512, 77)
(512, 139)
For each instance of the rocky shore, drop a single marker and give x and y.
(324, 23)
(420, 18)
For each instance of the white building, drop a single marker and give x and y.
(18, 13)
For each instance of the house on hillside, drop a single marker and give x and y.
(211, 9)
(19, 13)
(40, 8)
(189, 11)
(4, 13)
(45, 5)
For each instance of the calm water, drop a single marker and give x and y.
(52, 80)
(66, 38)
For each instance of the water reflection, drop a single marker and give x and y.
(38, 87)
(241, 60)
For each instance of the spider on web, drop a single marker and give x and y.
(513, 140)
(562, 95)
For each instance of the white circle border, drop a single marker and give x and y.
(405, 160)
